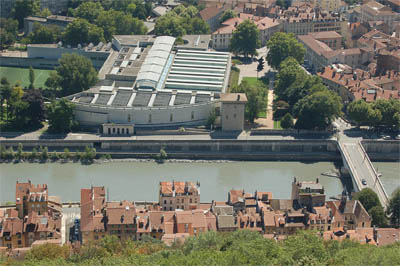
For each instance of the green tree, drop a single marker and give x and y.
(45, 13)
(283, 45)
(44, 34)
(20, 151)
(287, 121)
(260, 65)
(256, 98)
(211, 119)
(227, 15)
(89, 11)
(393, 209)
(35, 109)
(25, 8)
(368, 198)
(317, 110)
(81, 31)
(74, 74)
(61, 116)
(390, 110)
(5, 94)
(378, 216)
(8, 32)
(31, 77)
(245, 39)
(53, 81)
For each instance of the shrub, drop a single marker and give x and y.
(287, 121)
(48, 251)
(44, 153)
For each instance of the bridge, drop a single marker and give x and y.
(360, 168)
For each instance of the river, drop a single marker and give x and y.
(140, 180)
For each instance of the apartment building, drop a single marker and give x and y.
(179, 195)
(374, 11)
(328, 5)
(221, 38)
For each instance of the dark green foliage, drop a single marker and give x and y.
(61, 116)
(30, 110)
(287, 121)
(238, 248)
(211, 119)
(256, 98)
(181, 21)
(317, 110)
(378, 216)
(245, 39)
(393, 209)
(80, 31)
(283, 45)
(24, 8)
(8, 32)
(368, 198)
(44, 34)
(227, 15)
(74, 74)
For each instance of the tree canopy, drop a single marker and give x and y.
(245, 39)
(8, 32)
(287, 121)
(74, 74)
(29, 110)
(256, 98)
(380, 113)
(44, 34)
(227, 15)
(181, 21)
(283, 45)
(61, 116)
(318, 110)
(25, 8)
(80, 31)
(393, 209)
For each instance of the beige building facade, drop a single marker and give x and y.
(232, 111)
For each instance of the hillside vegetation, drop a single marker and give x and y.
(238, 248)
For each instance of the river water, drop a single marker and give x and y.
(140, 180)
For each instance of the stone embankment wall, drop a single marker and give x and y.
(382, 150)
(223, 149)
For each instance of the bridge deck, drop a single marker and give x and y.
(360, 167)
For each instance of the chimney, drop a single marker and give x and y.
(238, 97)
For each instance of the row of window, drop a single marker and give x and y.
(171, 117)
(118, 131)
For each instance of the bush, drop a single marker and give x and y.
(44, 153)
(162, 156)
(48, 251)
(66, 154)
(10, 154)
(287, 121)
(34, 153)
(2, 152)
(20, 151)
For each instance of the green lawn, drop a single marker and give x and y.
(262, 114)
(251, 80)
(277, 125)
(234, 78)
(21, 75)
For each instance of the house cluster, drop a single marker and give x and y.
(355, 84)
(179, 214)
(36, 219)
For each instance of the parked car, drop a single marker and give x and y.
(397, 137)
(386, 137)
(364, 182)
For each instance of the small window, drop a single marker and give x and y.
(114, 130)
(192, 116)
(109, 131)
(129, 118)
(123, 131)
(118, 131)
(149, 118)
(165, 202)
(170, 202)
(171, 117)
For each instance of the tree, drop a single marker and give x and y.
(8, 32)
(31, 77)
(283, 45)
(61, 116)
(211, 119)
(287, 121)
(170, 26)
(256, 98)
(393, 209)
(48, 251)
(44, 34)
(317, 110)
(368, 198)
(25, 8)
(81, 31)
(378, 216)
(45, 13)
(245, 39)
(5, 95)
(53, 80)
(260, 65)
(390, 110)
(35, 111)
(89, 11)
(363, 114)
(74, 74)
(227, 15)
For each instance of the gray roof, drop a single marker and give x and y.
(223, 210)
(225, 221)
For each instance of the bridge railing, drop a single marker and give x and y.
(347, 160)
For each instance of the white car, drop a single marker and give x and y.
(397, 137)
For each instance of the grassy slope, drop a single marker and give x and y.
(21, 75)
